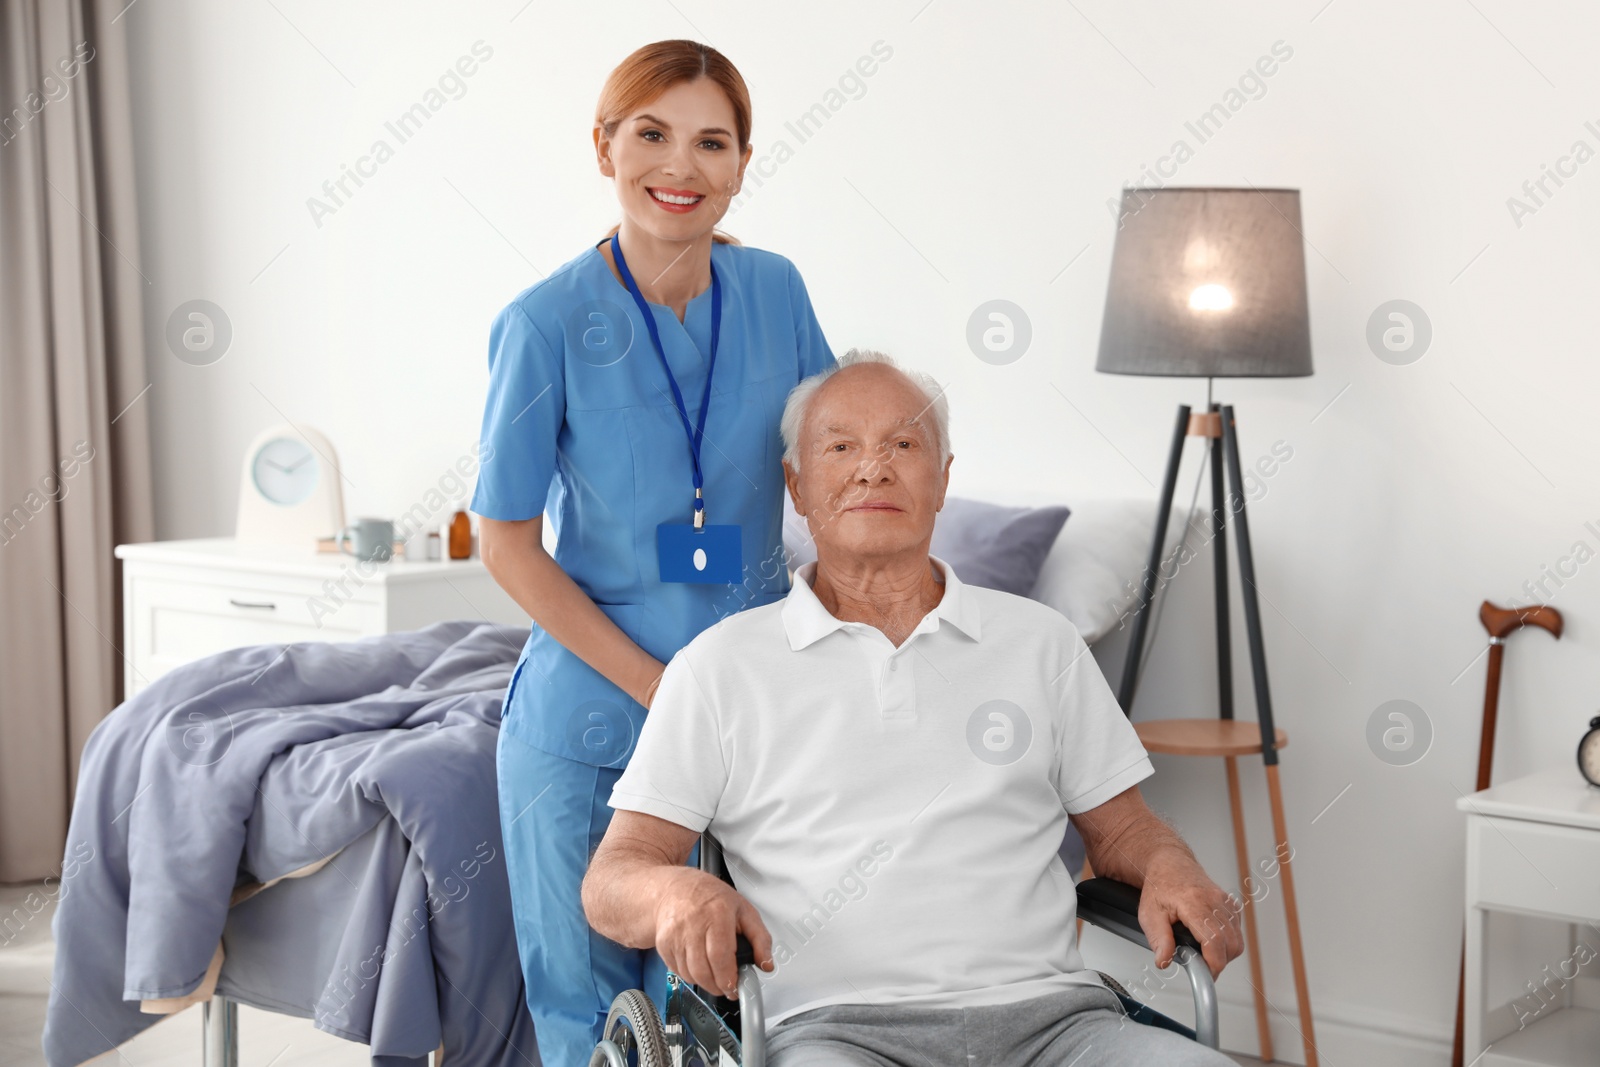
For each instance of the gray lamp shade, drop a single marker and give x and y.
(1207, 283)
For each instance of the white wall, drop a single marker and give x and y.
(977, 164)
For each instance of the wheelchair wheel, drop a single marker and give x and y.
(634, 1029)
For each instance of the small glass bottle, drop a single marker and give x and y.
(461, 533)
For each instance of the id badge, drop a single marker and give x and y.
(712, 555)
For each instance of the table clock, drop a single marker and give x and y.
(1589, 753)
(289, 491)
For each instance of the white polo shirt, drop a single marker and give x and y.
(894, 814)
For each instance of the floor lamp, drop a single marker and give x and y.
(1211, 283)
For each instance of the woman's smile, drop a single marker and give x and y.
(677, 201)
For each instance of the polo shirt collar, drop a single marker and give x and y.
(805, 620)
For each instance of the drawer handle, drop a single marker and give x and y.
(269, 605)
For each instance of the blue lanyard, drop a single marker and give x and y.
(699, 430)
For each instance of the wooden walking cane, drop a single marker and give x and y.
(1500, 622)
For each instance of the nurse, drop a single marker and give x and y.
(634, 399)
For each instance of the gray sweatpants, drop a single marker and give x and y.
(1084, 1026)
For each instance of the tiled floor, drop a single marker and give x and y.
(266, 1039)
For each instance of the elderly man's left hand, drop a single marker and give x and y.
(1127, 841)
(1176, 889)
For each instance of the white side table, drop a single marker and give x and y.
(1533, 848)
(182, 600)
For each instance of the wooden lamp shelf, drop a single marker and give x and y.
(1204, 737)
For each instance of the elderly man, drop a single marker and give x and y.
(888, 758)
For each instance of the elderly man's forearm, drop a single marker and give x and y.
(618, 895)
(1145, 842)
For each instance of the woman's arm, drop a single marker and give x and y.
(514, 554)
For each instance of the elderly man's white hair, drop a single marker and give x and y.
(795, 408)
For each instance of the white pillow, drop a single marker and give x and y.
(1093, 571)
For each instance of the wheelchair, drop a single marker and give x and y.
(705, 1029)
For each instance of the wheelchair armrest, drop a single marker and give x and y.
(1114, 906)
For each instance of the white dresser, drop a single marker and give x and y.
(186, 599)
(1533, 849)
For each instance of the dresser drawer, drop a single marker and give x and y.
(1533, 867)
(179, 620)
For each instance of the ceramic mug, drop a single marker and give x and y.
(373, 539)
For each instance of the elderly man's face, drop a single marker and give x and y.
(869, 481)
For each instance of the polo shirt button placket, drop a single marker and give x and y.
(897, 700)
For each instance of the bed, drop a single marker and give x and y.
(310, 828)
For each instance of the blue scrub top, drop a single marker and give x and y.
(580, 425)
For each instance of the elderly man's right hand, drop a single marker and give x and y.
(697, 919)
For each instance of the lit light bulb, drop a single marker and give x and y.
(1211, 298)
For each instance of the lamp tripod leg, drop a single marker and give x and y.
(1252, 943)
(1269, 744)
(1147, 587)
(1219, 566)
(1291, 911)
(1219, 573)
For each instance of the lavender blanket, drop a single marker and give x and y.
(251, 764)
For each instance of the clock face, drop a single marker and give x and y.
(1589, 755)
(285, 471)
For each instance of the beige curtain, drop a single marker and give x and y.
(74, 436)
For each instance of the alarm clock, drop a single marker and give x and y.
(1589, 753)
(289, 491)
